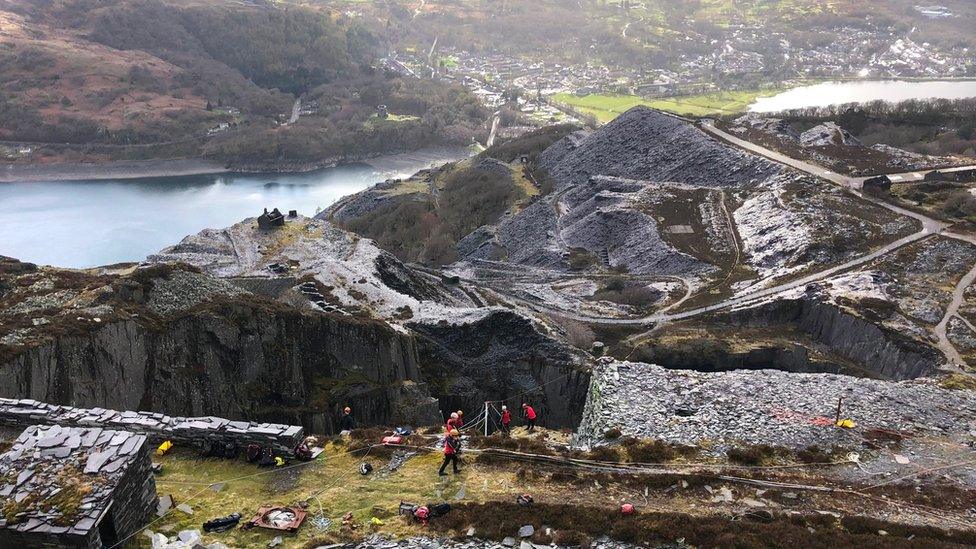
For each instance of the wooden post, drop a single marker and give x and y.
(839, 401)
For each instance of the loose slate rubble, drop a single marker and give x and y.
(58, 484)
(379, 542)
(155, 426)
(764, 407)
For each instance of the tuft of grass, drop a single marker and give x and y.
(655, 451)
(958, 382)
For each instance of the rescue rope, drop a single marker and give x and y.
(922, 472)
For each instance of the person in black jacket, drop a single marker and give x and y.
(346, 421)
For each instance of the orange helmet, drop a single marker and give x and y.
(460, 412)
(454, 432)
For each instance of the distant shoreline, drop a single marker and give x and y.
(136, 169)
(123, 169)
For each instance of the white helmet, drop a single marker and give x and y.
(504, 407)
(454, 415)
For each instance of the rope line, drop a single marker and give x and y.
(161, 517)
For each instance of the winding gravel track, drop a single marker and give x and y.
(854, 184)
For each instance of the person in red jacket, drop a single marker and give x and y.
(460, 419)
(452, 422)
(452, 452)
(529, 416)
(506, 420)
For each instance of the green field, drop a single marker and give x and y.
(608, 107)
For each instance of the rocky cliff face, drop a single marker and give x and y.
(878, 350)
(232, 361)
(503, 357)
(151, 344)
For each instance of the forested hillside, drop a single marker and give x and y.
(151, 79)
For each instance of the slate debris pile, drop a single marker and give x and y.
(600, 177)
(155, 426)
(379, 542)
(828, 133)
(59, 483)
(765, 407)
(647, 145)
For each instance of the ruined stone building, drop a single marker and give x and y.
(270, 220)
(75, 487)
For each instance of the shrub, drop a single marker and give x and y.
(654, 451)
(756, 454)
(960, 203)
(604, 453)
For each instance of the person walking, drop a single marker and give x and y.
(529, 416)
(506, 420)
(460, 419)
(452, 452)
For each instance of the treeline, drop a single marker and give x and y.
(346, 126)
(912, 111)
(927, 126)
(419, 230)
(291, 48)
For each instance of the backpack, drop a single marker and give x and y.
(303, 452)
(438, 509)
(253, 452)
(365, 468)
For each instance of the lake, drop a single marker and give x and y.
(835, 93)
(100, 222)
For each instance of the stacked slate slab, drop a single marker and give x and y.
(155, 426)
(78, 487)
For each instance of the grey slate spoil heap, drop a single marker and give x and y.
(764, 407)
(59, 485)
(155, 426)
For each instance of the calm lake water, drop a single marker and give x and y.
(91, 223)
(835, 93)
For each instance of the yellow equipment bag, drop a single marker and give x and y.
(846, 423)
(279, 461)
(163, 448)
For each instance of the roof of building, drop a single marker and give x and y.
(60, 480)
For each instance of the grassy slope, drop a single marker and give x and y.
(608, 107)
(340, 488)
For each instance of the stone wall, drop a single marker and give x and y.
(135, 499)
(155, 426)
